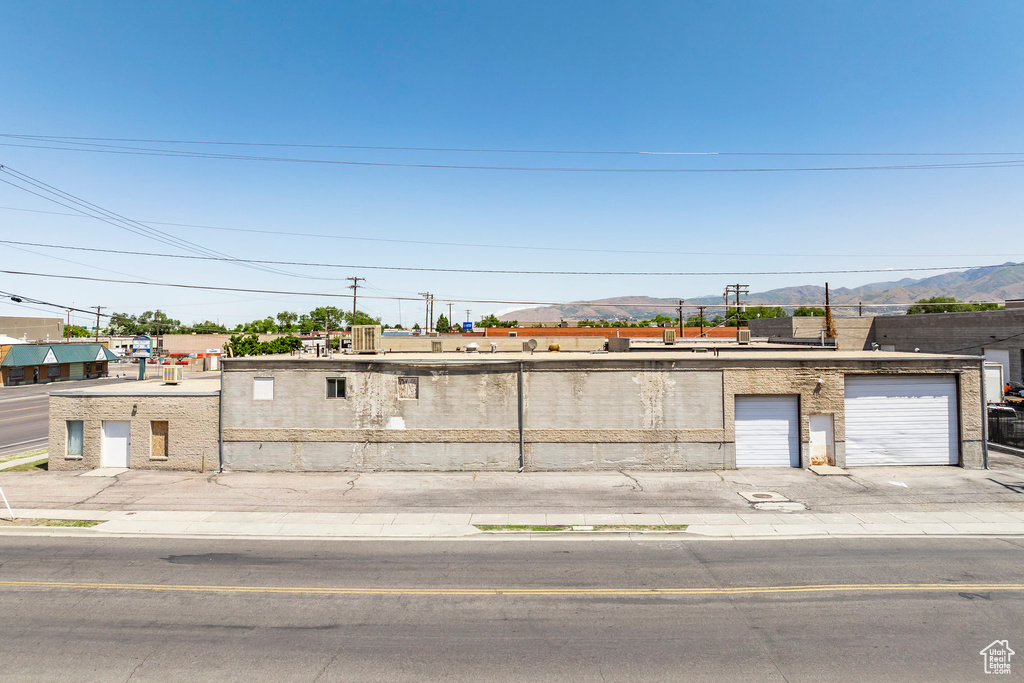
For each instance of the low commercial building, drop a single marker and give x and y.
(41, 363)
(659, 410)
(139, 425)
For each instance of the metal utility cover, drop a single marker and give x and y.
(763, 496)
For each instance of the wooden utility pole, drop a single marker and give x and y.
(98, 309)
(701, 310)
(681, 334)
(428, 300)
(355, 289)
(737, 290)
(830, 324)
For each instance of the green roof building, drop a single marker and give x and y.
(39, 363)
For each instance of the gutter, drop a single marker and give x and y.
(220, 426)
(984, 419)
(522, 434)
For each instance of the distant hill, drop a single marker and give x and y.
(993, 283)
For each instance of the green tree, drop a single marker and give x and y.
(442, 325)
(809, 311)
(72, 331)
(361, 318)
(286, 321)
(416, 326)
(948, 304)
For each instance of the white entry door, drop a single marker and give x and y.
(767, 431)
(116, 444)
(901, 420)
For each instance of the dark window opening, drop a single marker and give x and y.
(336, 387)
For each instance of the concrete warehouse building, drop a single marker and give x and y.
(665, 409)
(139, 425)
(31, 329)
(997, 335)
(41, 363)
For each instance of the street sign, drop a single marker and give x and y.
(142, 346)
(468, 327)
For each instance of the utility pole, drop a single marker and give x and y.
(468, 319)
(355, 289)
(428, 299)
(737, 290)
(98, 309)
(451, 320)
(67, 328)
(830, 324)
(701, 309)
(681, 334)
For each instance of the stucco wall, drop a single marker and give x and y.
(192, 423)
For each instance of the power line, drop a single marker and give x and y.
(86, 208)
(143, 151)
(454, 299)
(480, 245)
(488, 271)
(499, 150)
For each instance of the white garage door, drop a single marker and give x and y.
(767, 433)
(901, 420)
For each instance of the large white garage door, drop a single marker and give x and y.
(901, 420)
(767, 431)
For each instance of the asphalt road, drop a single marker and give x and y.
(189, 609)
(24, 412)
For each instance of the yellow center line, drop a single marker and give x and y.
(585, 592)
(22, 417)
(14, 410)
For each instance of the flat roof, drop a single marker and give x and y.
(191, 386)
(732, 354)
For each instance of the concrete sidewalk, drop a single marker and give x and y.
(588, 526)
(866, 489)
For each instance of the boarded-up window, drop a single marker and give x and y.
(263, 388)
(159, 442)
(408, 387)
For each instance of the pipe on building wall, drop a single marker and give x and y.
(984, 419)
(220, 425)
(522, 433)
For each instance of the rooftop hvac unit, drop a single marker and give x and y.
(669, 335)
(743, 336)
(172, 374)
(366, 339)
(436, 346)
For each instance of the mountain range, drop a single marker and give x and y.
(990, 283)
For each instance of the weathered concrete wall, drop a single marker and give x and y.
(578, 415)
(505, 343)
(192, 442)
(32, 329)
(962, 333)
(855, 334)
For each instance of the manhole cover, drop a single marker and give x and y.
(763, 496)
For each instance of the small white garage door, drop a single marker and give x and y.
(767, 433)
(907, 420)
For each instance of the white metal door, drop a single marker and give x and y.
(822, 441)
(901, 420)
(116, 444)
(767, 431)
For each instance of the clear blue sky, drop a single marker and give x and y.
(673, 76)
